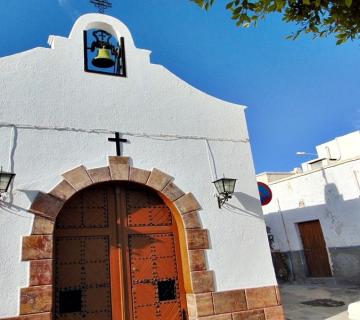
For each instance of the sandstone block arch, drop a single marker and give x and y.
(36, 300)
(203, 302)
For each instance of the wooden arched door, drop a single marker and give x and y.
(117, 257)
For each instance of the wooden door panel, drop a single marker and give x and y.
(96, 272)
(88, 209)
(141, 198)
(80, 277)
(82, 257)
(146, 312)
(96, 249)
(98, 316)
(170, 311)
(161, 216)
(159, 295)
(315, 249)
(70, 275)
(138, 217)
(67, 250)
(95, 218)
(140, 247)
(146, 208)
(72, 219)
(98, 299)
(166, 267)
(164, 245)
(116, 257)
(95, 208)
(142, 269)
(152, 255)
(142, 293)
(155, 216)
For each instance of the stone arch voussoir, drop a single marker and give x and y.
(36, 300)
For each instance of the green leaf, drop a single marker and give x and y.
(340, 41)
(348, 3)
(279, 4)
(320, 18)
(199, 2)
(237, 10)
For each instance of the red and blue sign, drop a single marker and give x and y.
(265, 193)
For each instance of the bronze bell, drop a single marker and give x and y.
(103, 59)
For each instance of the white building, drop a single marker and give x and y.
(314, 215)
(88, 235)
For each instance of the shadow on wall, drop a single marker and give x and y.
(250, 204)
(339, 220)
(30, 194)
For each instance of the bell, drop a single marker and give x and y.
(103, 59)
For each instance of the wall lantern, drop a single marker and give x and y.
(225, 187)
(5, 180)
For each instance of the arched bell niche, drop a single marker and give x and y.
(104, 50)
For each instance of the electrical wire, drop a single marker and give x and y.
(156, 136)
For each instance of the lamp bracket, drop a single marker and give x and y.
(224, 197)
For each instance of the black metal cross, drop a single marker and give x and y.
(117, 140)
(102, 5)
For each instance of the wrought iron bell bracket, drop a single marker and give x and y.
(104, 43)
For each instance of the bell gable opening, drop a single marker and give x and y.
(104, 53)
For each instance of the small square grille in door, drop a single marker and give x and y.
(166, 290)
(70, 301)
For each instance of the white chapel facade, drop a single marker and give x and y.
(136, 234)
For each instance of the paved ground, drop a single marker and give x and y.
(294, 295)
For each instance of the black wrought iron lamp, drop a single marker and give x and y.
(225, 188)
(5, 180)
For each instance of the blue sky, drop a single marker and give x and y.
(299, 93)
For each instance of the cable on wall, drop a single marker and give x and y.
(159, 136)
(212, 165)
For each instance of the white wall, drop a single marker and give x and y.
(331, 195)
(344, 147)
(48, 88)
